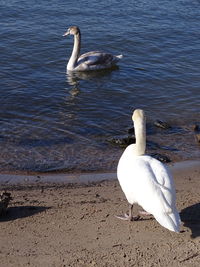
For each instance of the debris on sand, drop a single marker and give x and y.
(5, 198)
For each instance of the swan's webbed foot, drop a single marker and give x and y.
(143, 212)
(129, 217)
(126, 217)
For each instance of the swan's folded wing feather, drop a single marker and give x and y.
(95, 58)
(158, 187)
(164, 179)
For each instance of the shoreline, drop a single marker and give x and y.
(178, 143)
(82, 178)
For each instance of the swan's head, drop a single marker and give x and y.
(73, 30)
(138, 115)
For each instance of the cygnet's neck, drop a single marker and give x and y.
(75, 52)
(140, 135)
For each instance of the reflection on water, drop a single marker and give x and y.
(73, 82)
(73, 78)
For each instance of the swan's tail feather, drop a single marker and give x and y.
(116, 59)
(119, 56)
(171, 221)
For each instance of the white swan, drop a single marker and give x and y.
(94, 60)
(146, 181)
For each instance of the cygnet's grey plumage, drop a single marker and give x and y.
(94, 60)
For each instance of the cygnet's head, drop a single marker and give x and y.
(73, 30)
(138, 114)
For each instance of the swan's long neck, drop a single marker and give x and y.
(140, 135)
(75, 52)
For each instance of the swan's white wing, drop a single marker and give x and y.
(168, 217)
(163, 178)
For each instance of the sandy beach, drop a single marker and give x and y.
(61, 223)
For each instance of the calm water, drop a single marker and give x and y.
(50, 120)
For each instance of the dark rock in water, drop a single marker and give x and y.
(5, 198)
(162, 124)
(198, 137)
(160, 157)
(123, 142)
(195, 128)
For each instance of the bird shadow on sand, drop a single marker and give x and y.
(190, 216)
(19, 212)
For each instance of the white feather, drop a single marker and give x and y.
(149, 183)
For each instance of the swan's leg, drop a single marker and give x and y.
(129, 217)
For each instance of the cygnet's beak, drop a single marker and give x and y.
(66, 33)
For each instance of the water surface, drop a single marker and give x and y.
(51, 120)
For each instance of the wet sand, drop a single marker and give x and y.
(68, 223)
